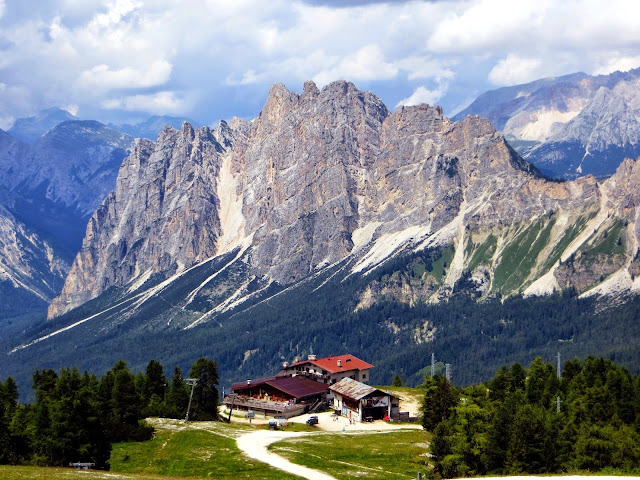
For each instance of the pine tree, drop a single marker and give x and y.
(439, 399)
(155, 380)
(178, 396)
(205, 393)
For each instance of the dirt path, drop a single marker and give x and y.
(255, 445)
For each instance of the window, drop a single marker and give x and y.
(364, 376)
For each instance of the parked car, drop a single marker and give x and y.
(278, 421)
(312, 420)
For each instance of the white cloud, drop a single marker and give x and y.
(419, 68)
(6, 122)
(101, 76)
(71, 108)
(157, 103)
(618, 63)
(482, 24)
(422, 95)
(2, 7)
(368, 63)
(223, 55)
(514, 70)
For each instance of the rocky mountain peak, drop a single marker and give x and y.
(317, 179)
(310, 89)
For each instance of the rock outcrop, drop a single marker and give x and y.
(324, 177)
(27, 262)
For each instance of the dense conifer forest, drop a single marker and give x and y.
(77, 416)
(534, 421)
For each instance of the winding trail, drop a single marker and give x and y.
(255, 444)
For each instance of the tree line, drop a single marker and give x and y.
(77, 416)
(534, 421)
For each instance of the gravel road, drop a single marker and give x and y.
(255, 445)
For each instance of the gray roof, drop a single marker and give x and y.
(355, 390)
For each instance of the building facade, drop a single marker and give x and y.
(329, 370)
(360, 402)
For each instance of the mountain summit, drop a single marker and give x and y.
(332, 177)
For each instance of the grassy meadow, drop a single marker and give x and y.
(355, 455)
(209, 450)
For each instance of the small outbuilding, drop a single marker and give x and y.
(361, 402)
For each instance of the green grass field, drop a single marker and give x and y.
(201, 450)
(381, 455)
(208, 450)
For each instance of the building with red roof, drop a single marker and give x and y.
(286, 396)
(329, 370)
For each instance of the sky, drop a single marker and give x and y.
(123, 60)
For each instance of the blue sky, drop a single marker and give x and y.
(120, 60)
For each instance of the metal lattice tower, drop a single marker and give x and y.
(448, 371)
(433, 364)
(558, 401)
(559, 370)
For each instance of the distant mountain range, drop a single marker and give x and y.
(568, 126)
(326, 206)
(151, 127)
(30, 129)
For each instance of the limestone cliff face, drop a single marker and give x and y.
(306, 161)
(27, 262)
(162, 216)
(319, 178)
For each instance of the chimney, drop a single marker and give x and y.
(285, 364)
(312, 356)
(340, 363)
(249, 382)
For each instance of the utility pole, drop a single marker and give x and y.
(448, 371)
(192, 382)
(433, 364)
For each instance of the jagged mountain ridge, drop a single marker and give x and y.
(56, 184)
(151, 127)
(27, 262)
(48, 191)
(30, 129)
(332, 176)
(571, 125)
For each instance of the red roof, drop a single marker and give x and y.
(337, 363)
(298, 387)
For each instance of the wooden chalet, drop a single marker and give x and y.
(287, 396)
(361, 402)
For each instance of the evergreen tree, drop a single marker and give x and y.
(205, 394)
(41, 432)
(526, 450)
(6, 448)
(178, 396)
(77, 433)
(397, 381)
(155, 380)
(439, 399)
(440, 447)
